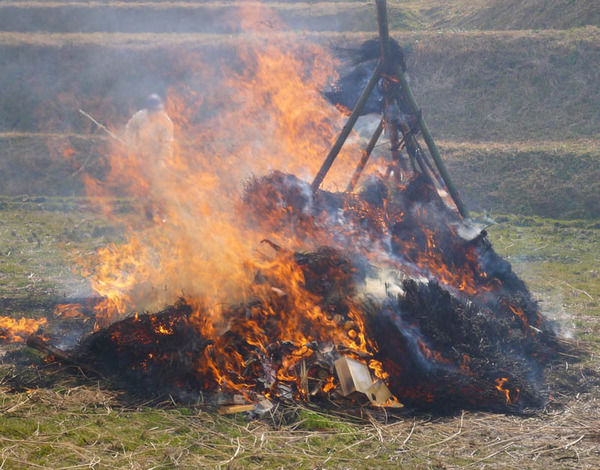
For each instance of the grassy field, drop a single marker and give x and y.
(56, 418)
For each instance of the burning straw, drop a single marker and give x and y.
(465, 334)
(393, 276)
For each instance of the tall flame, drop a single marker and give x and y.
(266, 114)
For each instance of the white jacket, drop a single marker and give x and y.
(151, 134)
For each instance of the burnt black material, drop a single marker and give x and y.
(456, 354)
(468, 336)
(363, 59)
(150, 354)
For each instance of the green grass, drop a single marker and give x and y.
(51, 418)
(560, 261)
(40, 237)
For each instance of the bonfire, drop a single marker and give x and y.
(386, 294)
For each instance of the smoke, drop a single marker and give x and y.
(229, 17)
(246, 112)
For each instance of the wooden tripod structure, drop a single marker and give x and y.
(395, 85)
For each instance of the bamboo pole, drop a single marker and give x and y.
(429, 166)
(337, 146)
(103, 127)
(396, 71)
(433, 150)
(365, 157)
(388, 69)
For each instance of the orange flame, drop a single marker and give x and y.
(64, 311)
(500, 383)
(15, 330)
(429, 354)
(300, 322)
(187, 238)
(196, 244)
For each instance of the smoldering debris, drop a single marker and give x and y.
(438, 343)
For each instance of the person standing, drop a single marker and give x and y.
(149, 136)
(150, 131)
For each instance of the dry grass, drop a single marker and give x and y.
(90, 427)
(472, 86)
(192, 17)
(122, 39)
(67, 420)
(550, 178)
(324, 6)
(509, 14)
(423, 14)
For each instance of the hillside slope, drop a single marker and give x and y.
(510, 14)
(342, 15)
(472, 86)
(501, 82)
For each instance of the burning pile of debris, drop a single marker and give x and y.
(395, 297)
(449, 326)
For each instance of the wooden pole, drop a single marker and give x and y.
(365, 158)
(335, 150)
(388, 71)
(430, 167)
(393, 69)
(103, 127)
(433, 150)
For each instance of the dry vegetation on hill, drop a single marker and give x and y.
(341, 15)
(475, 87)
(511, 14)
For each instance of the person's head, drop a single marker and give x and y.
(154, 103)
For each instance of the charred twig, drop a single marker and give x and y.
(359, 354)
(37, 342)
(273, 245)
(278, 249)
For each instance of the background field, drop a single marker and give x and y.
(511, 91)
(505, 82)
